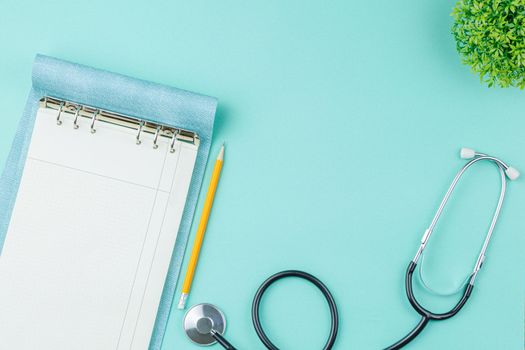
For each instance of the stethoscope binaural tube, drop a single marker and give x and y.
(505, 172)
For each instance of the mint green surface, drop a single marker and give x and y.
(343, 122)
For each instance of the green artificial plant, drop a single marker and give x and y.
(490, 36)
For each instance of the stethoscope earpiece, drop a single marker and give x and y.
(512, 173)
(467, 153)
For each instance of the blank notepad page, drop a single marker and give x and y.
(91, 237)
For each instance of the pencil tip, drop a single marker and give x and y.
(182, 301)
(221, 153)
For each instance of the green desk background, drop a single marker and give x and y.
(343, 121)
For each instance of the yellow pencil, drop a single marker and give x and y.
(199, 237)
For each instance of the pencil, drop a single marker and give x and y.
(199, 237)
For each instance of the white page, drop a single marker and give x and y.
(90, 238)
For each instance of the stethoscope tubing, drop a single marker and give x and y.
(426, 315)
(222, 341)
(334, 315)
(410, 336)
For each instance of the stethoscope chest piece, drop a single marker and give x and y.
(201, 321)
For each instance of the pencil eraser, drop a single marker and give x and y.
(467, 153)
(512, 173)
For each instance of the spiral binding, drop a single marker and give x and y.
(96, 115)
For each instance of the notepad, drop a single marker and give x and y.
(92, 230)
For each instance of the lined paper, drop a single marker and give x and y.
(91, 237)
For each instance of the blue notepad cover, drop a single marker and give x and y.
(125, 95)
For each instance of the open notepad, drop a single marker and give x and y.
(92, 230)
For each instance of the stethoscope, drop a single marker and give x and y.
(205, 324)
(505, 171)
